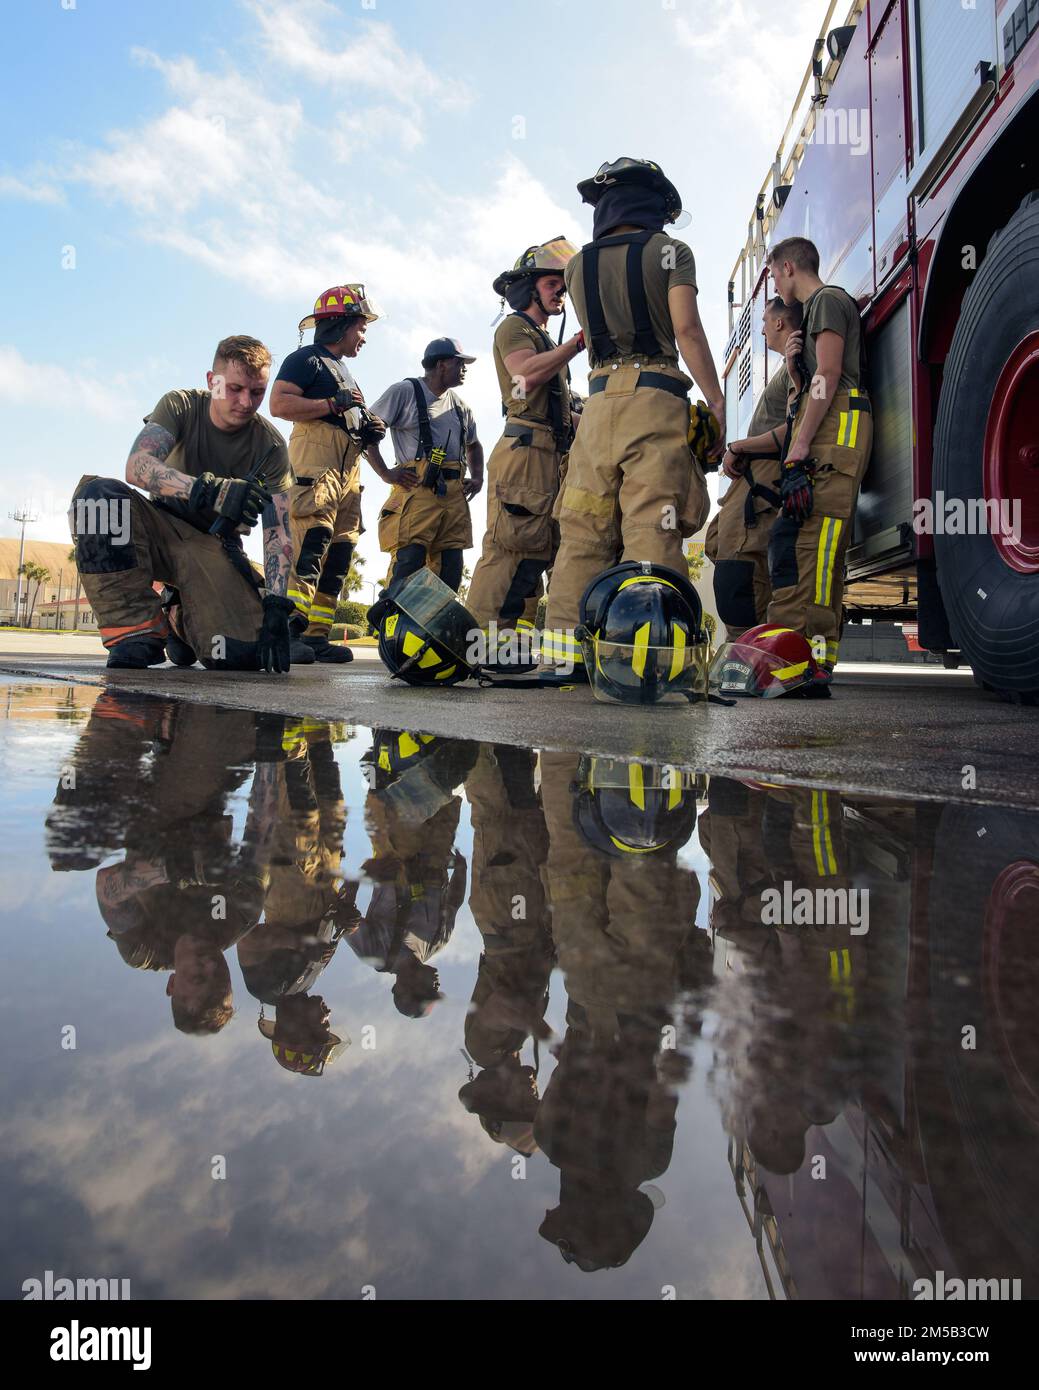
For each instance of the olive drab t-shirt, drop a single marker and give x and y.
(829, 308)
(202, 448)
(770, 411)
(514, 334)
(665, 264)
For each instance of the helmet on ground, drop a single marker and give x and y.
(703, 432)
(768, 661)
(550, 258)
(425, 632)
(625, 170)
(641, 632)
(341, 301)
(634, 808)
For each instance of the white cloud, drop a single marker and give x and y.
(11, 187)
(79, 387)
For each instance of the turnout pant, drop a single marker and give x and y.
(325, 519)
(417, 527)
(627, 490)
(806, 562)
(739, 551)
(519, 545)
(120, 565)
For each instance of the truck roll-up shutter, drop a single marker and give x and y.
(951, 41)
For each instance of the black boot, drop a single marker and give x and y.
(326, 651)
(179, 652)
(136, 653)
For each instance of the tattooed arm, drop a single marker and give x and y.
(277, 545)
(146, 467)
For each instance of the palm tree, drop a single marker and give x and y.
(34, 574)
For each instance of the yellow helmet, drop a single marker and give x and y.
(550, 258)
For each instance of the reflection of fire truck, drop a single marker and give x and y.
(911, 161)
(929, 1159)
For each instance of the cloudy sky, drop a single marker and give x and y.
(174, 173)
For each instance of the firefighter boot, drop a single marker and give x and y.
(136, 653)
(326, 651)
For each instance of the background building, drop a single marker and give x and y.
(58, 596)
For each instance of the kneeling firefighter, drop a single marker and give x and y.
(330, 429)
(527, 464)
(627, 484)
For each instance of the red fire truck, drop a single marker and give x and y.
(911, 159)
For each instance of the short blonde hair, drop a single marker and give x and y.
(249, 353)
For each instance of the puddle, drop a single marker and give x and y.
(302, 1010)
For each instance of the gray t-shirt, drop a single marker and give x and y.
(449, 418)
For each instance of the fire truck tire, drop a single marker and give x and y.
(979, 1091)
(983, 447)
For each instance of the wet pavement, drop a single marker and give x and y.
(296, 1009)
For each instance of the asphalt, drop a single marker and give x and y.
(908, 732)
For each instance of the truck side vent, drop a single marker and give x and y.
(744, 327)
(744, 377)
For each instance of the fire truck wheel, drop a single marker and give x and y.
(986, 466)
(979, 1094)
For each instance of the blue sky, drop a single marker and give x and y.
(208, 167)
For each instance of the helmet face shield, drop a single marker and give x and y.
(635, 673)
(550, 259)
(435, 607)
(740, 668)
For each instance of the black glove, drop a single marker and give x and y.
(345, 399)
(795, 488)
(372, 428)
(240, 500)
(274, 643)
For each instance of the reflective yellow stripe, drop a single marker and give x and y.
(412, 643)
(384, 759)
(677, 652)
(775, 631)
(784, 673)
(854, 434)
(822, 841)
(323, 610)
(632, 849)
(647, 579)
(828, 538)
(560, 644)
(406, 745)
(442, 675)
(636, 788)
(674, 796)
(640, 650)
(842, 429)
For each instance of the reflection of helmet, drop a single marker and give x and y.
(391, 754)
(296, 1052)
(625, 170)
(416, 774)
(341, 301)
(634, 808)
(596, 1229)
(766, 661)
(550, 258)
(506, 1100)
(642, 636)
(424, 632)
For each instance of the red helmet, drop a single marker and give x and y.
(341, 301)
(767, 661)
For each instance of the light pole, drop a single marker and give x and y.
(24, 518)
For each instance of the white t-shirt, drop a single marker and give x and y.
(449, 419)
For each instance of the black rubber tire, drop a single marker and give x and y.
(978, 1114)
(997, 634)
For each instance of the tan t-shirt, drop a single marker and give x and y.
(665, 263)
(770, 411)
(829, 308)
(202, 448)
(514, 334)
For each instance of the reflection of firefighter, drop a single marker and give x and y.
(803, 966)
(308, 907)
(623, 914)
(509, 905)
(419, 877)
(153, 779)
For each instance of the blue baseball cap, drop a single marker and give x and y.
(443, 347)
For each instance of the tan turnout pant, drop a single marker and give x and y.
(739, 552)
(325, 519)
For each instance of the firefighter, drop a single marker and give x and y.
(528, 462)
(827, 453)
(623, 917)
(317, 393)
(634, 291)
(154, 781)
(426, 519)
(510, 907)
(308, 907)
(204, 457)
(737, 538)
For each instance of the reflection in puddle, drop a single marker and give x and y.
(446, 1012)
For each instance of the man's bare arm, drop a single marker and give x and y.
(829, 354)
(696, 354)
(530, 369)
(277, 545)
(289, 403)
(146, 467)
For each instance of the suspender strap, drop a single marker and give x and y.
(644, 342)
(555, 391)
(601, 343)
(425, 434)
(750, 516)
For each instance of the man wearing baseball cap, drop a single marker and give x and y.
(426, 516)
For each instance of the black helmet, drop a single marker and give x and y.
(634, 808)
(625, 170)
(424, 631)
(391, 754)
(642, 634)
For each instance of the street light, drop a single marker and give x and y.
(24, 519)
